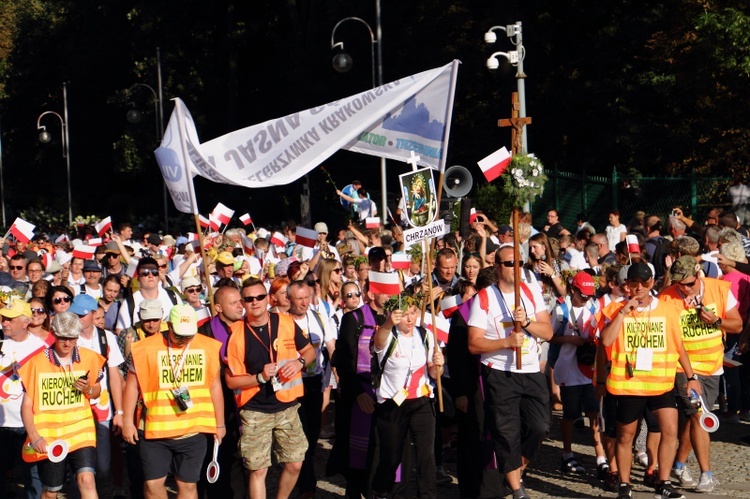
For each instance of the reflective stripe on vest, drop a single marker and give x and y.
(287, 352)
(156, 380)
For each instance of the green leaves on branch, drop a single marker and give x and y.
(524, 179)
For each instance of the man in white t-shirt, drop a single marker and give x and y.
(512, 395)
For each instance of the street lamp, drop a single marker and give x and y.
(45, 137)
(342, 62)
(135, 116)
(515, 57)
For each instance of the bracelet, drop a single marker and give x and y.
(528, 323)
(222, 426)
(259, 378)
(37, 441)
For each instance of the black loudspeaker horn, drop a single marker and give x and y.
(457, 181)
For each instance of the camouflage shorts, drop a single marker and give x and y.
(280, 433)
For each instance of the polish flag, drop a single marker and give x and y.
(203, 316)
(46, 259)
(213, 223)
(246, 219)
(450, 305)
(222, 214)
(400, 261)
(247, 245)
(192, 236)
(495, 164)
(279, 240)
(62, 239)
(84, 251)
(385, 283)
(306, 237)
(443, 326)
(632, 242)
(204, 222)
(472, 215)
(103, 226)
(22, 230)
(372, 222)
(95, 241)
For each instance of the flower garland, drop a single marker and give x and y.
(525, 179)
(404, 301)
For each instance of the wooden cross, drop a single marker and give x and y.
(517, 123)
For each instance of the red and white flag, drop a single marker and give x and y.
(95, 241)
(306, 237)
(62, 239)
(400, 261)
(443, 326)
(103, 226)
(213, 223)
(450, 304)
(22, 230)
(46, 259)
(246, 219)
(495, 164)
(385, 283)
(204, 222)
(222, 214)
(632, 241)
(247, 245)
(372, 222)
(84, 251)
(192, 236)
(472, 215)
(278, 239)
(204, 315)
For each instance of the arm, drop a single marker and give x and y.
(685, 364)
(348, 198)
(731, 323)
(123, 252)
(217, 397)
(186, 263)
(360, 237)
(27, 415)
(612, 330)
(129, 401)
(115, 385)
(478, 344)
(380, 340)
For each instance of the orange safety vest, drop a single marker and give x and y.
(286, 351)
(703, 343)
(156, 380)
(657, 330)
(60, 411)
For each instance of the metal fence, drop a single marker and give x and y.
(574, 193)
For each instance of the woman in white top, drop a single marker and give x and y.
(616, 231)
(405, 398)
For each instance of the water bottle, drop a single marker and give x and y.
(695, 399)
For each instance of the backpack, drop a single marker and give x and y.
(661, 250)
(130, 302)
(586, 353)
(377, 367)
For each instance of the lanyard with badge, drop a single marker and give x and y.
(403, 393)
(644, 357)
(275, 383)
(180, 393)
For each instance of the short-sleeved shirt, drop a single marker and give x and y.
(406, 367)
(14, 355)
(124, 315)
(497, 323)
(318, 336)
(102, 406)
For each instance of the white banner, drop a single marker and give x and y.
(434, 229)
(411, 114)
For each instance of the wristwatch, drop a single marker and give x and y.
(302, 361)
(119, 413)
(717, 323)
(260, 378)
(694, 377)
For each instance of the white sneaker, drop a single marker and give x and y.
(707, 483)
(684, 477)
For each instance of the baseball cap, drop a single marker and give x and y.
(225, 258)
(91, 266)
(15, 308)
(147, 260)
(505, 229)
(584, 283)
(684, 267)
(640, 270)
(112, 247)
(83, 304)
(150, 309)
(154, 239)
(184, 320)
(189, 282)
(66, 325)
(321, 228)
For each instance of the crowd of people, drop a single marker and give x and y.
(151, 358)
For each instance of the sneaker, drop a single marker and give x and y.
(707, 483)
(570, 465)
(441, 477)
(651, 480)
(602, 471)
(612, 482)
(624, 491)
(642, 458)
(665, 491)
(683, 475)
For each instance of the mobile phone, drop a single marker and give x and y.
(674, 213)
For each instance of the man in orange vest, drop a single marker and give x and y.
(177, 373)
(646, 346)
(266, 354)
(707, 310)
(59, 382)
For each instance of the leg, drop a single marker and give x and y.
(288, 479)
(422, 427)
(186, 490)
(257, 484)
(667, 419)
(87, 485)
(624, 449)
(596, 434)
(310, 415)
(392, 431)
(155, 489)
(701, 443)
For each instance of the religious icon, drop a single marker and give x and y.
(418, 189)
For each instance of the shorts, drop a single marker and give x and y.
(630, 407)
(181, 456)
(278, 432)
(709, 386)
(52, 475)
(577, 398)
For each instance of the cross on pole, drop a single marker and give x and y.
(517, 125)
(413, 159)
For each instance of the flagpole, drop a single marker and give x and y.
(434, 334)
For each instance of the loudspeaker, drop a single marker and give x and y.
(457, 181)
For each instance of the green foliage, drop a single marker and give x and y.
(524, 180)
(491, 201)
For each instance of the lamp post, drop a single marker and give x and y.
(342, 62)
(134, 116)
(45, 137)
(515, 57)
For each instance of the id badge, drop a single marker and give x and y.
(400, 396)
(181, 395)
(276, 384)
(644, 359)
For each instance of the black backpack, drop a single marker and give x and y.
(661, 250)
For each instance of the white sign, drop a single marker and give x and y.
(435, 229)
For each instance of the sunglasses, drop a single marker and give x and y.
(193, 290)
(688, 284)
(180, 337)
(151, 320)
(38, 311)
(507, 263)
(112, 255)
(15, 267)
(350, 295)
(250, 299)
(163, 266)
(338, 271)
(145, 272)
(66, 299)
(311, 282)
(64, 340)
